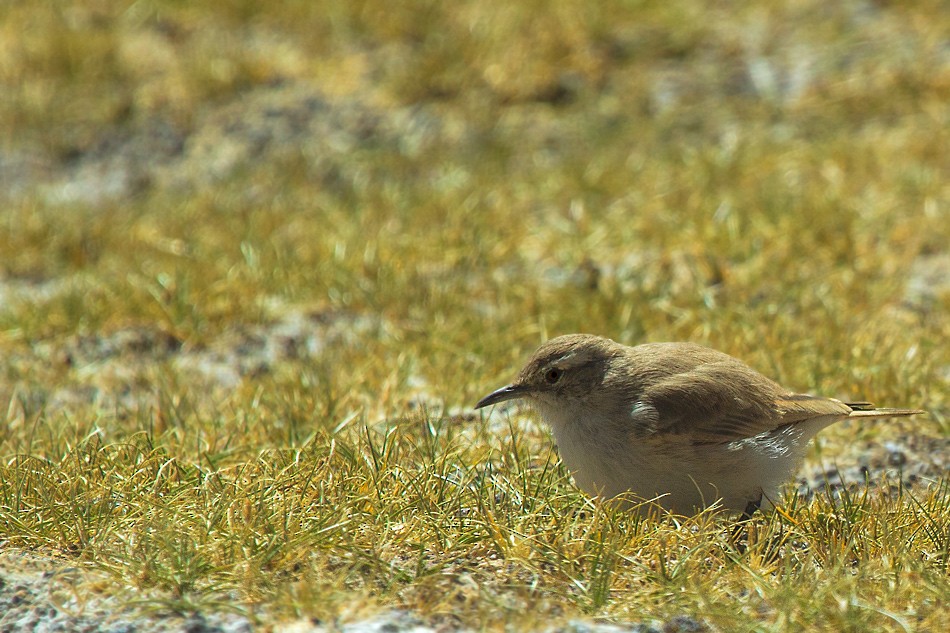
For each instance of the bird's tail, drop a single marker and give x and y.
(867, 410)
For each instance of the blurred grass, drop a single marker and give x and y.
(760, 179)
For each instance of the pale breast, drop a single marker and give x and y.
(685, 475)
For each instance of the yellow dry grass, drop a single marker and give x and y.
(770, 181)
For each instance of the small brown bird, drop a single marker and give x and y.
(677, 423)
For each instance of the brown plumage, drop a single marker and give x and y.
(675, 422)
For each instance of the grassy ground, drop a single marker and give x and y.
(258, 263)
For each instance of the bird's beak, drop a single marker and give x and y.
(509, 392)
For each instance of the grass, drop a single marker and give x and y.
(759, 179)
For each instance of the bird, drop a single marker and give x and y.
(677, 426)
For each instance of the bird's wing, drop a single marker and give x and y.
(725, 401)
(800, 407)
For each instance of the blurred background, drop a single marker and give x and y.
(244, 245)
(401, 200)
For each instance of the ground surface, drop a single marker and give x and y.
(257, 264)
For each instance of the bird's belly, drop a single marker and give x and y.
(681, 476)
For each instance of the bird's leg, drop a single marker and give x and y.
(751, 508)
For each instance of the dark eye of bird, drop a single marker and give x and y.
(553, 375)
